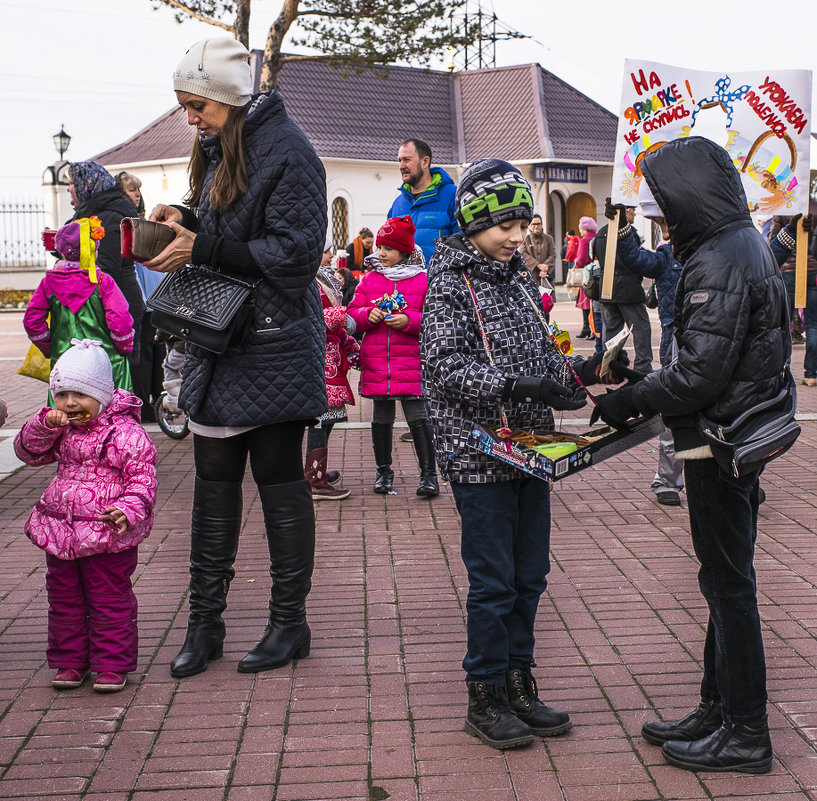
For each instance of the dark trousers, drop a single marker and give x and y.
(506, 550)
(809, 317)
(616, 315)
(723, 523)
(92, 612)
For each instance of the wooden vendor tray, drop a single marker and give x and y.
(605, 442)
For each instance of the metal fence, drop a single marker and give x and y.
(21, 227)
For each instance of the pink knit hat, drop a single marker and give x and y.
(84, 368)
(588, 224)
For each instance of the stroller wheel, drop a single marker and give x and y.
(174, 424)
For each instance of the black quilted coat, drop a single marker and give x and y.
(731, 325)
(278, 375)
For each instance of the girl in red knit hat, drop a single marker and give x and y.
(387, 308)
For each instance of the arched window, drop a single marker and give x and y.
(340, 222)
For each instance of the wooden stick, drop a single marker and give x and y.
(610, 259)
(800, 267)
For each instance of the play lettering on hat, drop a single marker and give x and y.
(397, 233)
(85, 368)
(492, 191)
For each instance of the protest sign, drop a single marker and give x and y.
(761, 118)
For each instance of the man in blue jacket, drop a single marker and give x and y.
(427, 195)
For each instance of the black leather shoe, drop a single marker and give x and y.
(278, 647)
(384, 481)
(701, 722)
(742, 747)
(201, 645)
(523, 697)
(490, 718)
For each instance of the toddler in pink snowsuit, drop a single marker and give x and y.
(92, 516)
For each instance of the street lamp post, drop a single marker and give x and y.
(61, 141)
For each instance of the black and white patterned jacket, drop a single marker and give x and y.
(458, 380)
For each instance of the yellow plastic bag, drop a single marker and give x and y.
(35, 365)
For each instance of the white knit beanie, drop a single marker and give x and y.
(218, 69)
(85, 368)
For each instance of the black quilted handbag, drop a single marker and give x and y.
(203, 306)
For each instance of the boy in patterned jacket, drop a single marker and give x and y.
(486, 350)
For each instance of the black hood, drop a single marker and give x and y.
(113, 199)
(698, 188)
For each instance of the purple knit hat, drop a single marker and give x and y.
(589, 224)
(66, 242)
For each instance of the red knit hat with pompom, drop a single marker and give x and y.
(397, 233)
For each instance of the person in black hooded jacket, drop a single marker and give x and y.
(733, 339)
(94, 193)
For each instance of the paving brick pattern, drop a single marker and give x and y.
(376, 711)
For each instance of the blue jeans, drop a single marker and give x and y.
(506, 550)
(723, 523)
(810, 318)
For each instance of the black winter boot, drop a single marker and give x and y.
(742, 747)
(490, 718)
(216, 521)
(289, 518)
(544, 721)
(701, 722)
(423, 437)
(382, 442)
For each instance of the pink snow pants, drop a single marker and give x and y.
(92, 612)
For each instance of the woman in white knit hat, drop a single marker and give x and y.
(256, 210)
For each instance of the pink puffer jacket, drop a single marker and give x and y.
(109, 462)
(389, 359)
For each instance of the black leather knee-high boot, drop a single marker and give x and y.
(289, 518)
(423, 438)
(215, 525)
(382, 443)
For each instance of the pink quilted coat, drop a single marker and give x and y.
(389, 359)
(109, 462)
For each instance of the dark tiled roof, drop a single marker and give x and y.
(578, 127)
(463, 116)
(365, 115)
(168, 137)
(501, 114)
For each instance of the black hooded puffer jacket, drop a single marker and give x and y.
(731, 324)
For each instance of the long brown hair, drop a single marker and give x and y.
(230, 181)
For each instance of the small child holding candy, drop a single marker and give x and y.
(387, 308)
(91, 518)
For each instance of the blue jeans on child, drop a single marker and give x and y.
(506, 550)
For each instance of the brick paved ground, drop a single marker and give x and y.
(376, 711)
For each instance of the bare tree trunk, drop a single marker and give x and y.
(241, 26)
(271, 64)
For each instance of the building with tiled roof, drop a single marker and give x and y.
(562, 140)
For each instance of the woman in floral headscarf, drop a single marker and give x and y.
(94, 193)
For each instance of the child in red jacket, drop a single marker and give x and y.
(387, 308)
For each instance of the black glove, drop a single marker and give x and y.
(588, 370)
(610, 212)
(808, 222)
(533, 389)
(616, 407)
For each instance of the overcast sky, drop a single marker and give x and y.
(103, 69)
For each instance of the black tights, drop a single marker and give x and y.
(274, 451)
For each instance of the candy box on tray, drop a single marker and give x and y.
(551, 457)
